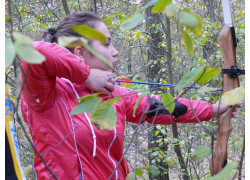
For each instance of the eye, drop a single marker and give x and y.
(108, 42)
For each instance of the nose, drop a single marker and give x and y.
(114, 52)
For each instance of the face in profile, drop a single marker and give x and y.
(107, 50)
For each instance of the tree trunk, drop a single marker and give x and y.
(177, 148)
(210, 48)
(65, 7)
(129, 60)
(154, 55)
(95, 6)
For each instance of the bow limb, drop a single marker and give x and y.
(228, 48)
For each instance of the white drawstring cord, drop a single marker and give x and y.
(74, 135)
(86, 116)
(116, 173)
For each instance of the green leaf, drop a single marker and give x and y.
(132, 22)
(200, 153)
(71, 41)
(234, 96)
(209, 74)
(168, 102)
(138, 172)
(89, 32)
(207, 89)
(188, 19)
(188, 41)
(87, 104)
(102, 58)
(157, 132)
(70, 3)
(7, 19)
(10, 52)
(172, 9)
(117, 14)
(197, 30)
(29, 54)
(19, 8)
(160, 6)
(148, 4)
(24, 49)
(189, 77)
(155, 171)
(104, 115)
(108, 20)
(138, 100)
(224, 174)
(49, 14)
(122, 18)
(20, 38)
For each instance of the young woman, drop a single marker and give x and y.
(72, 146)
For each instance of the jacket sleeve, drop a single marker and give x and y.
(41, 78)
(182, 113)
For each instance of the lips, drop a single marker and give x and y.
(114, 64)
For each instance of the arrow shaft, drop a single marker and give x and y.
(156, 84)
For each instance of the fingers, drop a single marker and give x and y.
(110, 86)
(236, 107)
(111, 80)
(111, 77)
(106, 91)
(239, 104)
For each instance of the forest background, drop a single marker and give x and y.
(156, 44)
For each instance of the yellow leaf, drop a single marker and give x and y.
(233, 97)
(19, 8)
(7, 19)
(25, 7)
(207, 89)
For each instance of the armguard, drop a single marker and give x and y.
(156, 104)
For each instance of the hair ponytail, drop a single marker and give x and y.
(64, 28)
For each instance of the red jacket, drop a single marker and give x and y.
(71, 145)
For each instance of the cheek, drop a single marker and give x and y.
(102, 50)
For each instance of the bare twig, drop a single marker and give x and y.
(241, 159)
(132, 139)
(16, 107)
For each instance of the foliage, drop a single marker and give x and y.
(168, 102)
(189, 77)
(71, 41)
(104, 115)
(87, 104)
(24, 49)
(132, 22)
(224, 174)
(9, 52)
(160, 6)
(137, 102)
(195, 26)
(234, 96)
(200, 152)
(88, 32)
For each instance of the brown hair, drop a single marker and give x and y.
(63, 29)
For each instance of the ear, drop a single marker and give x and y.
(79, 51)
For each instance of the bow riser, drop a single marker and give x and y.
(228, 49)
